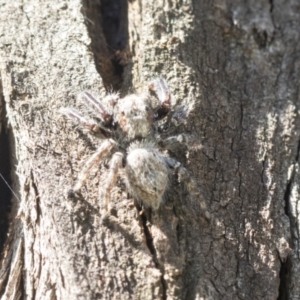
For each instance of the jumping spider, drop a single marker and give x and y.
(133, 131)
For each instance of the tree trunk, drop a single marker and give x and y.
(237, 64)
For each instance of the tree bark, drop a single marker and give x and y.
(236, 64)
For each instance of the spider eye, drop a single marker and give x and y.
(122, 113)
(147, 108)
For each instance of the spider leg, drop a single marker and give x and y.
(176, 117)
(104, 148)
(185, 177)
(98, 107)
(160, 87)
(114, 166)
(187, 140)
(75, 115)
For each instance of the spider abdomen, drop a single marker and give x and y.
(147, 176)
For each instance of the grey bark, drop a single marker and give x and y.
(237, 64)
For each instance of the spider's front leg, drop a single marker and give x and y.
(104, 148)
(184, 176)
(160, 87)
(115, 164)
(101, 110)
(177, 117)
(75, 115)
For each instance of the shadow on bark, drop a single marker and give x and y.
(107, 24)
(5, 180)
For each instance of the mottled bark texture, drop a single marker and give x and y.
(237, 64)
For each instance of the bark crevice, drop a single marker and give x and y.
(288, 190)
(5, 174)
(151, 247)
(107, 24)
(287, 195)
(284, 279)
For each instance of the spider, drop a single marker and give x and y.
(134, 133)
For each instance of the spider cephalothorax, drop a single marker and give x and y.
(133, 130)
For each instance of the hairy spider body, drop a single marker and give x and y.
(135, 116)
(147, 174)
(136, 125)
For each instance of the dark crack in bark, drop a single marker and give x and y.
(107, 24)
(284, 278)
(5, 171)
(284, 273)
(151, 247)
(287, 195)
